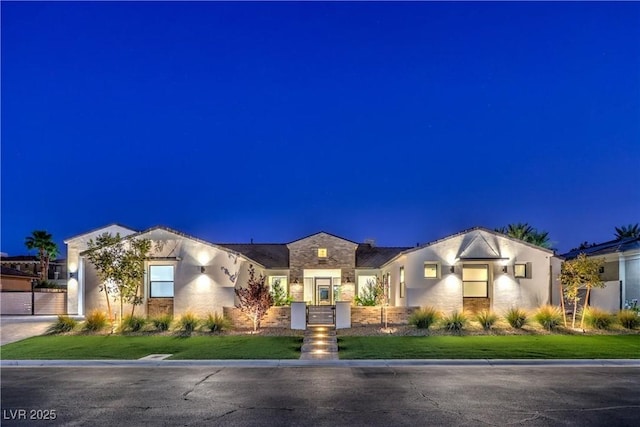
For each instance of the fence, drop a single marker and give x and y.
(33, 303)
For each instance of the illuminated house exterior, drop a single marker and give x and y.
(473, 269)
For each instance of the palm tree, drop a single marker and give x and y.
(526, 233)
(47, 248)
(632, 230)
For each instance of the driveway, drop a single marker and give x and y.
(323, 396)
(16, 328)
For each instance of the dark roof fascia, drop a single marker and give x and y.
(186, 236)
(323, 232)
(469, 230)
(68, 239)
(605, 248)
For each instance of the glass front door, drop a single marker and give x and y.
(323, 291)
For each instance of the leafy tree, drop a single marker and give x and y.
(526, 233)
(632, 230)
(580, 273)
(254, 300)
(120, 266)
(47, 249)
(372, 294)
(279, 294)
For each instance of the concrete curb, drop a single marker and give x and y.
(297, 363)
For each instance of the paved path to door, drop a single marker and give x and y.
(326, 396)
(16, 328)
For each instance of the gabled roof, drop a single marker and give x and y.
(368, 256)
(478, 248)
(6, 271)
(323, 232)
(67, 240)
(270, 255)
(612, 246)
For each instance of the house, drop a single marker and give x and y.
(620, 273)
(474, 269)
(14, 280)
(31, 264)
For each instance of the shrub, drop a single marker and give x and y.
(132, 323)
(548, 316)
(63, 324)
(162, 323)
(455, 322)
(516, 317)
(188, 322)
(96, 320)
(371, 294)
(216, 323)
(486, 319)
(597, 318)
(629, 319)
(423, 318)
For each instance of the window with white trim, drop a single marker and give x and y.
(278, 280)
(402, 286)
(431, 270)
(475, 281)
(520, 270)
(161, 281)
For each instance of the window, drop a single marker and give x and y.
(322, 252)
(520, 270)
(475, 281)
(431, 270)
(161, 281)
(278, 280)
(401, 282)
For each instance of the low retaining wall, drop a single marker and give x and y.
(280, 317)
(277, 317)
(375, 315)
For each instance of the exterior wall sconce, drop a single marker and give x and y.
(505, 269)
(347, 279)
(452, 269)
(203, 269)
(73, 275)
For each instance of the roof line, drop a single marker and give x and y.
(99, 228)
(323, 232)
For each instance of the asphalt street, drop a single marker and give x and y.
(355, 396)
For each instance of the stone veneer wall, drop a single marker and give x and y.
(159, 306)
(277, 317)
(375, 315)
(303, 254)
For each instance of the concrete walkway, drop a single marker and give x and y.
(320, 343)
(16, 328)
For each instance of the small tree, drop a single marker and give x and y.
(120, 266)
(279, 294)
(254, 300)
(580, 273)
(372, 294)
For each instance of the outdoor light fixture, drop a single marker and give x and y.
(73, 275)
(203, 269)
(452, 269)
(504, 269)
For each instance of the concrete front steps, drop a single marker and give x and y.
(320, 343)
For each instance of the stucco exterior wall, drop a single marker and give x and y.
(445, 292)
(607, 298)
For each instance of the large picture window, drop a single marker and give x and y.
(278, 280)
(475, 281)
(431, 270)
(161, 281)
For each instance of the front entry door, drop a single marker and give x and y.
(323, 291)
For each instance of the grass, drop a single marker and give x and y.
(134, 347)
(491, 347)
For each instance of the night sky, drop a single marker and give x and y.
(399, 122)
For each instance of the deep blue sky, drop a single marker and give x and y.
(399, 122)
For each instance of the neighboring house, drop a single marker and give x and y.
(31, 264)
(14, 280)
(474, 269)
(621, 272)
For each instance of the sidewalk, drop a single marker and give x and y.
(290, 363)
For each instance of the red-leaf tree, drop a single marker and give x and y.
(255, 299)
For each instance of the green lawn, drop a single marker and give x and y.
(135, 347)
(491, 347)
